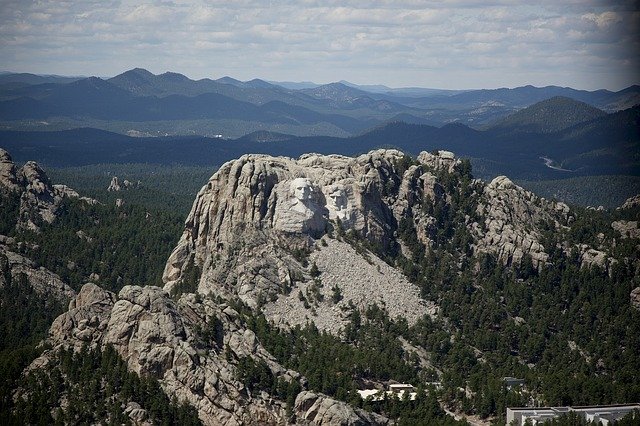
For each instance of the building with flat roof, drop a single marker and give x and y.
(605, 414)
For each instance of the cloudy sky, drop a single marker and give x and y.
(454, 44)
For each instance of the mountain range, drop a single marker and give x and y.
(140, 102)
(556, 138)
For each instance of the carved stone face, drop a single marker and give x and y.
(338, 198)
(301, 189)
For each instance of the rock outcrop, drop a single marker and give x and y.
(631, 202)
(159, 337)
(257, 214)
(510, 218)
(39, 198)
(635, 298)
(8, 172)
(44, 283)
(627, 228)
(256, 211)
(316, 409)
(149, 330)
(115, 185)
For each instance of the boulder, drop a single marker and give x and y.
(635, 298)
(319, 410)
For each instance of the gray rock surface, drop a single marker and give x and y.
(115, 185)
(510, 217)
(248, 218)
(591, 257)
(627, 228)
(631, 202)
(256, 212)
(44, 282)
(158, 336)
(635, 298)
(39, 198)
(8, 172)
(316, 409)
(369, 280)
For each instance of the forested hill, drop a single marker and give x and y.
(551, 115)
(604, 145)
(484, 314)
(138, 102)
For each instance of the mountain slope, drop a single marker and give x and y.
(299, 282)
(548, 116)
(606, 145)
(298, 239)
(98, 99)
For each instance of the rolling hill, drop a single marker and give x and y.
(173, 104)
(548, 116)
(605, 145)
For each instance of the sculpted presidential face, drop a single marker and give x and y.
(301, 188)
(301, 208)
(338, 198)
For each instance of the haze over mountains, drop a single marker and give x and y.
(527, 133)
(141, 103)
(544, 141)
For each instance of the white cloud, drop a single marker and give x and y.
(446, 43)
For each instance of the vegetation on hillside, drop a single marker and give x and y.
(606, 191)
(90, 387)
(568, 331)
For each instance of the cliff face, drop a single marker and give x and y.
(163, 338)
(300, 241)
(39, 198)
(256, 213)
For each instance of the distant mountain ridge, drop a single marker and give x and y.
(605, 145)
(171, 103)
(548, 116)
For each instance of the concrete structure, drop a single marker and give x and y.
(511, 382)
(396, 390)
(399, 387)
(605, 414)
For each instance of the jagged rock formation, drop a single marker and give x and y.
(256, 212)
(635, 298)
(8, 172)
(39, 198)
(116, 186)
(45, 283)
(158, 337)
(511, 215)
(627, 228)
(631, 202)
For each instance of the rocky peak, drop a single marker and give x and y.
(510, 218)
(257, 214)
(8, 172)
(282, 202)
(158, 336)
(631, 202)
(39, 199)
(439, 160)
(115, 185)
(34, 178)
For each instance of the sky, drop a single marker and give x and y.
(446, 44)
